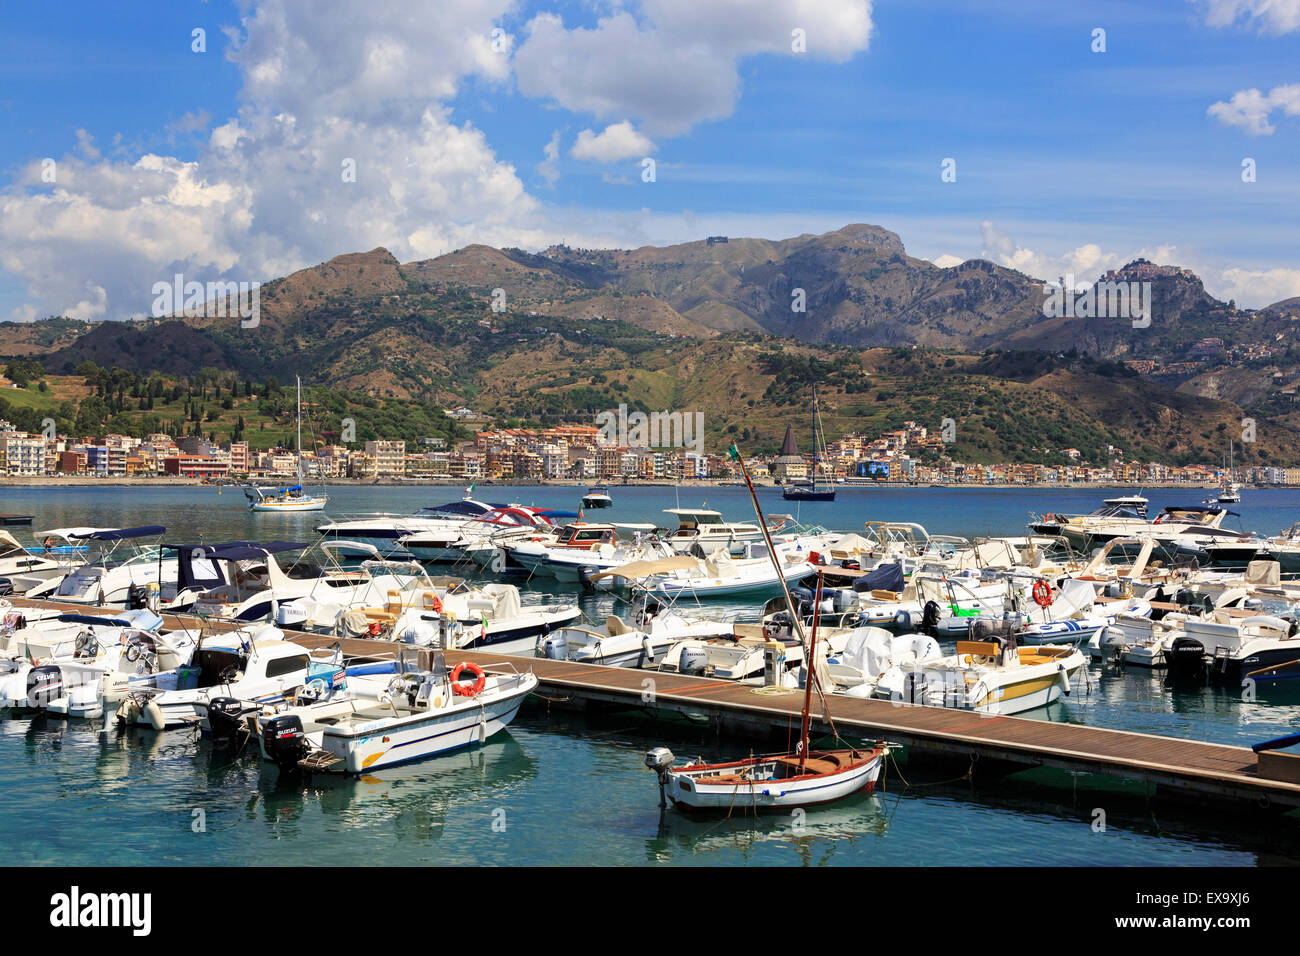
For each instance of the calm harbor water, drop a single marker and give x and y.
(559, 789)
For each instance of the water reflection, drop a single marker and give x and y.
(815, 836)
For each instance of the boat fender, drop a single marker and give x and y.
(153, 713)
(647, 648)
(1065, 679)
(903, 619)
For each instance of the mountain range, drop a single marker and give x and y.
(734, 326)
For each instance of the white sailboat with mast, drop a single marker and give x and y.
(800, 777)
(294, 498)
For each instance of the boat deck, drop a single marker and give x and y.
(1188, 768)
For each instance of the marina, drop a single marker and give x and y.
(1113, 733)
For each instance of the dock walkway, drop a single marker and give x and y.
(1188, 768)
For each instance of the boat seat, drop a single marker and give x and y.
(614, 626)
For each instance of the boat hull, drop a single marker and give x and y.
(687, 792)
(439, 733)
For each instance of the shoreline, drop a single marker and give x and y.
(83, 481)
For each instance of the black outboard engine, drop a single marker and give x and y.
(285, 741)
(929, 619)
(44, 684)
(225, 718)
(584, 577)
(1186, 660)
(803, 599)
(137, 597)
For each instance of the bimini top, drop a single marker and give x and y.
(119, 534)
(693, 513)
(142, 618)
(236, 550)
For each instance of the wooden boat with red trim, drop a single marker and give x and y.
(770, 782)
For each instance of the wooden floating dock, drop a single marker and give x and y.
(1186, 768)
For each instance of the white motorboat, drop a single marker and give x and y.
(584, 548)
(452, 614)
(987, 676)
(256, 666)
(24, 568)
(709, 531)
(720, 575)
(597, 497)
(1237, 651)
(453, 542)
(401, 718)
(641, 642)
(383, 530)
(125, 567)
(60, 662)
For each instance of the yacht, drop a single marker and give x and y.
(384, 531)
(708, 530)
(597, 498)
(583, 548)
(454, 542)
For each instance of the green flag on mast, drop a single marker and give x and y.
(734, 452)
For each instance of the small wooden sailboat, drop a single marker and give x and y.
(294, 498)
(801, 778)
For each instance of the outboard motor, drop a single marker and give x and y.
(137, 597)
(285, 741)
(556, 647)
(225, 718)
(6, 586)
(1186, 660)
(584, 577)
(44, 684)
(693, 660)
(929, 618)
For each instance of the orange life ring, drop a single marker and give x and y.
(1043, 593)
(458, 688)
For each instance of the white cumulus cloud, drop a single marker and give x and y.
(1268, 16)
(324, 84)
(617, 141)
(678, 65)
(1251, 110)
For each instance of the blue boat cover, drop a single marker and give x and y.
(118, 534)
(887, 577)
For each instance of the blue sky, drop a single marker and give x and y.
(226, 163)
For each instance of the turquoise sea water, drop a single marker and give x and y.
(563, 789)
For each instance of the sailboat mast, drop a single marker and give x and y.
(809, 670)
(814, 430)
(796, 623)
(299, 448)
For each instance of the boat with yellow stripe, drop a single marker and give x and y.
(989, 676)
